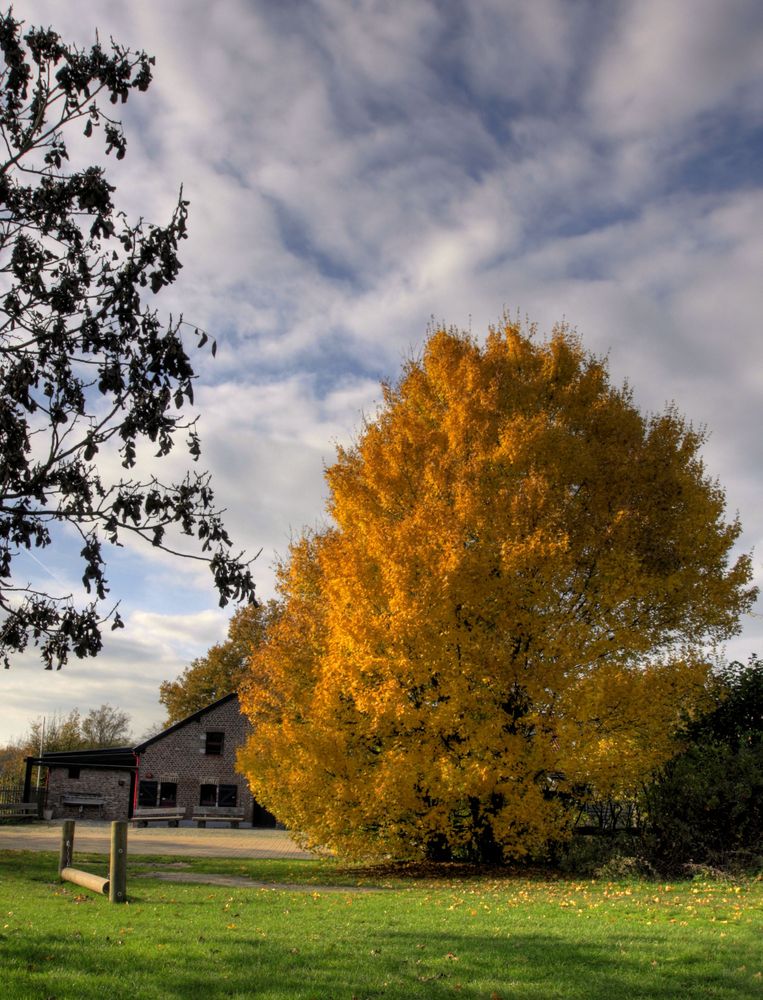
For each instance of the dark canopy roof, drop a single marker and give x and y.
(113, 757)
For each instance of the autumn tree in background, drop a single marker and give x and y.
(511, 607)
(223, 668)
(105, 726)
(90, 374)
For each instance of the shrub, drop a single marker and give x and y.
(705, 807)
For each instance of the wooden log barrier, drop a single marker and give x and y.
(86, 879)
(115, 886)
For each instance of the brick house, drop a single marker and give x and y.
(189, 765)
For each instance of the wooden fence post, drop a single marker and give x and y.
(118, 862)
(67, 845)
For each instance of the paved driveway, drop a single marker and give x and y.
(187, 841)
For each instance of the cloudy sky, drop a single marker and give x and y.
(359, 168)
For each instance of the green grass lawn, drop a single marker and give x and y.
(488, 937)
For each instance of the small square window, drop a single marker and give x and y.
(73, 772)
(214, 744)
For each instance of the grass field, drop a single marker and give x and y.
(343, 933)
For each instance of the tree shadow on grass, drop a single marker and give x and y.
(391, 964)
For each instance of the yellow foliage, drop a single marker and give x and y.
(512, 602)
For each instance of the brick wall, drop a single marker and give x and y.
(112, 786)
(180, 758)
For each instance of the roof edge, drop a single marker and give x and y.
(140, 747)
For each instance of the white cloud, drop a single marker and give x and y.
(517, 51)
(670, 62)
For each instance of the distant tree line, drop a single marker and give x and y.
(99, 727)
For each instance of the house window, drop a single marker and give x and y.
(148, 794)
(168, 793)
(218, 795)
(208, 795)
(73, 772)
(213, 746)
(227, 795)
(157, 793)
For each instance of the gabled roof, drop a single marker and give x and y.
(184, 722)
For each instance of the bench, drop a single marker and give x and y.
(83, 799)
(18, 810)
(201, 814)
(172, 817)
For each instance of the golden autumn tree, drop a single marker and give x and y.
(511, 605)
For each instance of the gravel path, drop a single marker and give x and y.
(211, 842)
